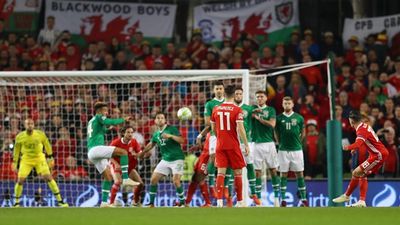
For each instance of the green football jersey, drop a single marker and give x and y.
(170, 149)
(97, 127)
(289, 129)
(210, 106)
(247, 111)
(261, 133)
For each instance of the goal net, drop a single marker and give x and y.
(61, 104)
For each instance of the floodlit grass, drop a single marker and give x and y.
(201, 216)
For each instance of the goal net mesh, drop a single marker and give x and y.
(61, 106)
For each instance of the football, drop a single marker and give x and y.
(184, 113)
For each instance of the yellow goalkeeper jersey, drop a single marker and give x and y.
(31, 146)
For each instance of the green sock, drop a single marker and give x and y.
(228, 176)
(283, 187)
(181, 195)
(105, 190)
(275, 185)
(211, 174)
(251, 176)
(301, 185)
(230, 185)
(124, 166)
(153, 193)
(258, 187)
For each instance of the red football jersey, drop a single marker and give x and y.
(225, 117)
(370, 140)
(132, 147)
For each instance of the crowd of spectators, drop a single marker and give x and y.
(367, 79)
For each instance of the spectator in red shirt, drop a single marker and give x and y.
(391, 166)
(280, 94)
(394, 79)
(309, 109)
(64, 147)
(314, 146)
(170, 55)
(149, 61)
(71, 171)
(267, 61)
(73, 58)
(13, 65)
(350, 57)
(296, 89)
(312, 75)
(357, 94)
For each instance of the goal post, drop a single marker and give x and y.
(61, 103)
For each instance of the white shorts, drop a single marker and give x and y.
(100, 155)
(166, 168)
(212, 144)
(291, 161)
(265, 152)
(249, 158)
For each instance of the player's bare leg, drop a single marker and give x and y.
(357, 175)
(134, 175)
(220, 186)
(123, 154)
(301, 186)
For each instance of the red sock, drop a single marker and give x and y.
(136, 193)
(114, 190)
(239, 187)
(191, 189)
(204, 193)
(352, 185)
(363, 188)
(220, 185)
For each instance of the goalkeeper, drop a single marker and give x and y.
(28, 152)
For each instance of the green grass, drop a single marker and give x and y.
(201, 216)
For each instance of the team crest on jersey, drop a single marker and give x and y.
(265, 114)
(294, 122)
(245, 114)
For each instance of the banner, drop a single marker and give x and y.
(20, 15)
(365, 26)
(272, 18)
(383, 193)
(104, 20)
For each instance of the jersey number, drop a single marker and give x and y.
(89, 130)
(221, 120)
(288, 126)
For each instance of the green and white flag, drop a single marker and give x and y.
(20, 15)
(271, 20)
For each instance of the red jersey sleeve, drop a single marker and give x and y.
(115, 142)
(239, 115)
(136, 146)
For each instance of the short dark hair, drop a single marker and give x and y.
(238, 88)
(218, 83)
(123, 129)
(262, 92)
(160, 113)
(355, 115)
(230, 91)
(287, 98)
(99, 105)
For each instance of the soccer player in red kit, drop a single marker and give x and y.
(227, 123)
(128, 143)
(366, 138)
(199, 176)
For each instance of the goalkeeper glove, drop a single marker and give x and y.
(50, 161)
(14, 166)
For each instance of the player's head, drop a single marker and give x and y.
(354, 118)
(101, 108)
(230, 92)
(160, 119)
(287, 104)
(29, 124)
(238, 95)
(218, 87)
(127, 132)
(261, 97)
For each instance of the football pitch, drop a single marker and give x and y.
(200, 216)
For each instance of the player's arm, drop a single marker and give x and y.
(242, 135)
(16, 153)
(148, 147)
(48, 149)
(271, 122)
(107, 121)
(177, 138)
(355, 145)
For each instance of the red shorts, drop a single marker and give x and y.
(201, 164)
(232, 158)
(373, 164)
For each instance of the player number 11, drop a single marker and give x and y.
(288, 126)
(221, 120)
